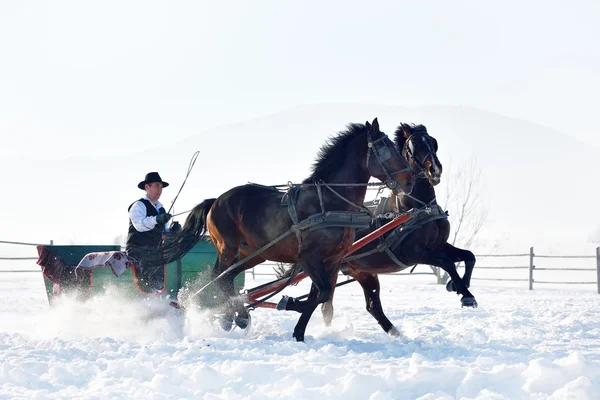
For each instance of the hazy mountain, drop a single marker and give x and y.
(539, 183)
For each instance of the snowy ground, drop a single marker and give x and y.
(518, 344)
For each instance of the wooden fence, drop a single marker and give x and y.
(531, 267)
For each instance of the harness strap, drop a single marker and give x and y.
(395, 259)
(294, 214)
(398, 235)
(321, 203)
(360, 207)
(429, 203)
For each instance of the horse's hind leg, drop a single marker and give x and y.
(300, 327)
(235, 309)
(241, 314)
(457, 255)
(371, 289)
(225, 258)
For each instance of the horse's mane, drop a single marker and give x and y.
(333, 153)
(399, 137)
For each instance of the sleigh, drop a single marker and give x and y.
(85, 271)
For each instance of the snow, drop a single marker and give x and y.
(519, 344)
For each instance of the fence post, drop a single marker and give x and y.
(531, 267)
(51, 242)
(598, 268)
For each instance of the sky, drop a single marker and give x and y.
(112, 78)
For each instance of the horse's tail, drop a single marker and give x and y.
(180, 243)
(283, 271)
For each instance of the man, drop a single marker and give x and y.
(147, 224)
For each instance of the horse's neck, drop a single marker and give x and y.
(348, 175)
(422, 191)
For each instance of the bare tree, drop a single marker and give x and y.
(463, 199)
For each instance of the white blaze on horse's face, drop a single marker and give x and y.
(432, 163)
(435, 171)
(421, 151)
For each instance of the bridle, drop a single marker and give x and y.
(382, 148)
(408, 148)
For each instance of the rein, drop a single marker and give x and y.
(298, 226)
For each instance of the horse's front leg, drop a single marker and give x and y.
(320, 293)
(440, 259)
(327, 307)
(371, 290)
(457, 255)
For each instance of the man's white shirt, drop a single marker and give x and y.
(137, 214)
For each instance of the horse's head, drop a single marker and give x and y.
(420, 150)
(385, 162)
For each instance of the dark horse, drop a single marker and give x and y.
(422, 240)
(249, 217)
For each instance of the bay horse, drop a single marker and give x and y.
(422, 240)
(247, 218)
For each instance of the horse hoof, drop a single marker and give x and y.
(299, 338)
(468, 302)
(242, 322)
(283, 303)
(450, 286)
(394, 332)
(225, 323)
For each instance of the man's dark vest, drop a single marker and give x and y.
(148, 238)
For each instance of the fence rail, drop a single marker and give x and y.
(564, 269)
(547, 256)
(26, 244)
(18, 270)
(531, 267)
(500, 279)
(568, 283)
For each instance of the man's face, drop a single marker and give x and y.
(154, 190)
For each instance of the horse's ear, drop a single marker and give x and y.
(435, 144)
(368, 125)
(406, 130)
(375, 126)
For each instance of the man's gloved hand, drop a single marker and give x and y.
(175, 227)
(163, 218)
